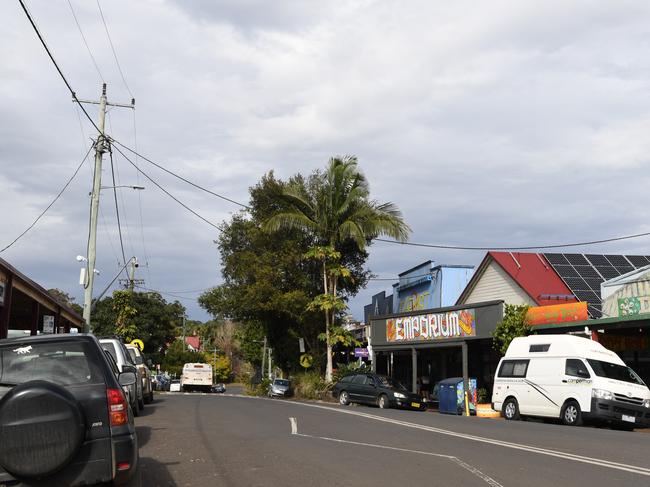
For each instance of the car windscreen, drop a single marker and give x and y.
(390, 383)
(281, 382)
(614, 371)
(137, 359)
(63, 363)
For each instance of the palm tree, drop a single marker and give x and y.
(336, 209)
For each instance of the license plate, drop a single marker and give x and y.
(629, 419)
(417, 405)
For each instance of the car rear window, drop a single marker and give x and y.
(135, 357)
(110, 348)
(64, 363)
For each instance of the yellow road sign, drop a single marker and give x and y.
(306, 360)
(138, 343)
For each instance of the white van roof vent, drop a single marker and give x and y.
(539, 347)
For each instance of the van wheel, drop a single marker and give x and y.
(511, 409)
(344, 398)
(571, 414)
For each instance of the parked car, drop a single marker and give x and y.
(376, 390)
(280, 388)
(118, 351)
(570, 378)
(219, 388)
(144, 372)
(175, 385)
(64, 417)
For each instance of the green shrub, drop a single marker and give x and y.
(310, 385)
(347, 369)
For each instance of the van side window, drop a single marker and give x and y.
(513, 368)
(576, 368)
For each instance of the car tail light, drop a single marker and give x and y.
(117, 407)
(123, 466)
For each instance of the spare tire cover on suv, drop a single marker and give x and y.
(41, 429)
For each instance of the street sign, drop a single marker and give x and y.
(301, 343)
(138, 343)
(361, 352)
(306, 360)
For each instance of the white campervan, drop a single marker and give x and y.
(571, 378)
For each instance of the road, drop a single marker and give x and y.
(228, 440)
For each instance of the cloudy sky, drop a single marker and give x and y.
(487, 123)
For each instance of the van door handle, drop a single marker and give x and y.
(564, 380)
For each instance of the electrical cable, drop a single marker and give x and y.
(164, 293)
(49, 53)
(180, 177)
(168, 193)
(85, 41)
(65, 186)
(117, 209)
(110, 41)
(529, 247)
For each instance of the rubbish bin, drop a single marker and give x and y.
(451, 395)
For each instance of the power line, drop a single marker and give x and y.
(110, 41)
(49, 53)
(164, 293)
(85, 41)
(117, 209)
(51, 204)
(180, 177)
(167, 192)
(530, 247)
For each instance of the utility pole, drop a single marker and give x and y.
(100, 148)
(270, 363)
(131, 282)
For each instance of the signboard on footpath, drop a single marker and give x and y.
(557, 313)
(48, 324)
(361, 352)
(432, 327)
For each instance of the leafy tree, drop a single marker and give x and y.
(513, 325)
(334, 209)
(178, 355)
(124, 322)
(268, 283)
(157, 322)
(221, 366)
(65, 299)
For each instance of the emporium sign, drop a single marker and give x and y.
(432, 327)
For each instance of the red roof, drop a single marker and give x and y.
(193, 342)
(532, 272)
(535, 276)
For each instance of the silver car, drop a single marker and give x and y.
(280, 388)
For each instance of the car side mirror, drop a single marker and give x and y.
(129, 368)
(127, 379)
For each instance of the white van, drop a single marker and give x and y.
(196, 377)
(571, 378)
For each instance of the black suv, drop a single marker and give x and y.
(375, 389)
(64, 417)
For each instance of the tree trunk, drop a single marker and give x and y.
(328, 370)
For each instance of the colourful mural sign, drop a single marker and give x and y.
(431, 327)
(633, 305)
(557, 313)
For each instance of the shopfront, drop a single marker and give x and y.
(421, 348)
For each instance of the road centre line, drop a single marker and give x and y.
(473, 470)
(505, 444)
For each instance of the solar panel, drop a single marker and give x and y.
(597, 259)
(638, 260)
(608, 272)
(617, 260)
(556, 259)
(583, 274)
(576, 259)
(566, 271)
(576, 283)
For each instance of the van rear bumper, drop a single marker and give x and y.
(615, 410)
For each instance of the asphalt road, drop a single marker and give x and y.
(224, 440)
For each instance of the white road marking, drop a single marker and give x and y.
(473, 470)
(505, 444)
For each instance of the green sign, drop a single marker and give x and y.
(629, 306)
